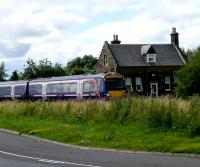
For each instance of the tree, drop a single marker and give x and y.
(189, 75)
(30, 70)
(14, 76)
(187, 53)
(47, 69)
(3, 74)
(59, 70)
(44, 69)
(81, 65)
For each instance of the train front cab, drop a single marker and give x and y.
(115, 86)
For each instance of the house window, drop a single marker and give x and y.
(128, 83)
(151, 58)
(167, 83)
(138, 81)
(105, 60)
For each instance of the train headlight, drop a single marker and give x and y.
(108, 95)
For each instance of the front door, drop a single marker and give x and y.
(154, 89)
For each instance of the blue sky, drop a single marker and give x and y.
(62, 30)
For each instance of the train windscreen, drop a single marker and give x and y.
(115, 84)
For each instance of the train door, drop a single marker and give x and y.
(79, 89)
(89, 88)
(12, 92)
(44, 91)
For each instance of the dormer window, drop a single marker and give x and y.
(151, 58)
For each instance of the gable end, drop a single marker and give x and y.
(111, 63)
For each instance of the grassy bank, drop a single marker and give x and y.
(164, 124)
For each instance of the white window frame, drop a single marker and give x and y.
(138, 81)
(151, 56)
(128, 82)
(168, 81)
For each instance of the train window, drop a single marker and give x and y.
(115, 84)
(36, 89)
(88, 87)
(6, 90)
(73, 88)
(69, 87)
(20, 89)
(54, 88)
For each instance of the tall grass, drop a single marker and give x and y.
(156, 114)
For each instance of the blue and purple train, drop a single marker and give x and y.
(101, 85)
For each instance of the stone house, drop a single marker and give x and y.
(148, 68)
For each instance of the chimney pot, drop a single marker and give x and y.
(174, 30)
(115, 40)
(114, 37)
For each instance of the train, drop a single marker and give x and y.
(102, 85)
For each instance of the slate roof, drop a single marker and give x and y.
(128, 55)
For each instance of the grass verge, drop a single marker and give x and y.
(164, 125)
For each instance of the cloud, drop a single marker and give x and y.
(13, 50)
(62, 30)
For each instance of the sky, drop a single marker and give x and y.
(61, 30)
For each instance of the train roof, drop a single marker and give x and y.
(14, 82)
(71, 77)
(74, 77)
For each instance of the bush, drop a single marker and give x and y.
(189, 76)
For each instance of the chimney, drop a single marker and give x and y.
(115, 40)
(174, 37)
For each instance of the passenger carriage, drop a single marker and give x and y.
(13, 90)
(67, 87)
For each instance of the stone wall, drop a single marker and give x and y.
(111, 64)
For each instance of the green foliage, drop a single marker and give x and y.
(3, 74)
(30, 70)
(81, 65)
(44, 69)
(189, 76)
(187, 53)
(156, 114)
(15, 76)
